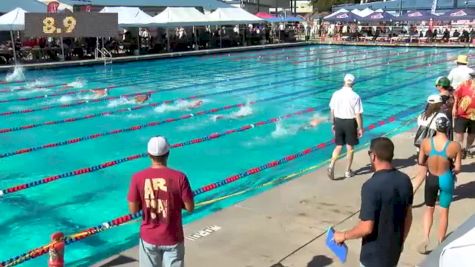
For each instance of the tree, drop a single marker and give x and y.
(326, 5)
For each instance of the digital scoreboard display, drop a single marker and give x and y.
(81, 24)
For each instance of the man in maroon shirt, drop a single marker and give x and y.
(161, 193)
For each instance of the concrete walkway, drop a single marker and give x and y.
(286, 226)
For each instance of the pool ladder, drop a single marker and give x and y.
(105, 55)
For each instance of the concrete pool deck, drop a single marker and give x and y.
(286, 225)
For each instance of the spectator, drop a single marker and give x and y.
(446, 35)
(464, 113)
(446, 93)
(436, 158)
(465, 36)
(461, 73)
(427, 118)
(161, 193)
(347, 114)
(386, 210)
(456, 34)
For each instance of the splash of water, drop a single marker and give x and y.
(36, 84)
(244, 111)
(282, 131)
(178, 105)
(119, 102)
(78, 83)
(16, 76)
(66, 99)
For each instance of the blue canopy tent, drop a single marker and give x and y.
(463, 14)
(27, 5)
(421, 15)
(342, 17)
(378, 17)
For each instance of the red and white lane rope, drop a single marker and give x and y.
(213, 186)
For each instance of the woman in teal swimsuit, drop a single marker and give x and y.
(440, 160)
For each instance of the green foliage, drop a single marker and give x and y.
(326, 5)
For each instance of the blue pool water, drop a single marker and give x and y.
(391, 81)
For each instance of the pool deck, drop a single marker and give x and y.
(123, 59)
(76, 63)
(330, 41)
(286, 225)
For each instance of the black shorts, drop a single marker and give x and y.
(346, 132)
(463, 125)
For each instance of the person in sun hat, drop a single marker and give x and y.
(461, 73)
(347, 116)
(161, 193)
(464, 113)
(439, 161)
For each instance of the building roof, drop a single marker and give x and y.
(209, 4)
(396, 5)
(27, 5)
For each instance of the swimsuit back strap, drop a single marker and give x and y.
(441, 153)
(446, 146)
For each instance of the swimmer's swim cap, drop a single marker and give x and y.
(442, 123)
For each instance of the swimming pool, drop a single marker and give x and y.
(51, 125)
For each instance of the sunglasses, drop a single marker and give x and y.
(370, 152)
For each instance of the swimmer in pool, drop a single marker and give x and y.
(312, 124)
(195, 104)
(231, 116)
(98, 93)
(439, 161)
(140, 99)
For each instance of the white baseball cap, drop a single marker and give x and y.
(158, 146)
(433, 99)
(349, 78)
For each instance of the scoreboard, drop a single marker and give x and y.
(81, 24)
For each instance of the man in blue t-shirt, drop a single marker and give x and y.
(386, 210)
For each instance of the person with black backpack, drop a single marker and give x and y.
(426, 121)
(446, 92)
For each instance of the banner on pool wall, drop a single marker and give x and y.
(81, 24)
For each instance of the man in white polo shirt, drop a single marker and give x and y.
(347, 115)
(461, 73)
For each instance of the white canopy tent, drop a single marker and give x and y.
(129, 16)
(232, 15)
(13, 21)
(179, 16)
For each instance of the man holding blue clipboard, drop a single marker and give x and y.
(386, 210)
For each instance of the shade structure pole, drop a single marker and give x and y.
(220, 36)
(168, 41)
(62, 49)
(138, 42)
(243, 35)
(97, 48)
(13, 46)
(195, 39)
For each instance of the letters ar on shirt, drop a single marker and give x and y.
(156, 202)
